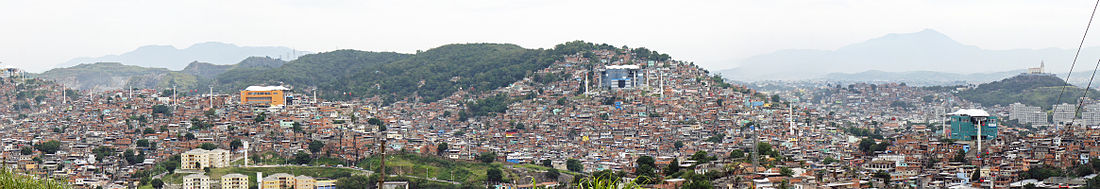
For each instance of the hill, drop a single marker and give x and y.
(103, 76)
(1032, 89)
(164, 56)
(926, 50)
(348, 74)
(431, 75)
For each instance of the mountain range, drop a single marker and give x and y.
(342, 74)
(172, 58)
(924, 55)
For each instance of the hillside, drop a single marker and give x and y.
(203, 69)
(432, 74)
(102, 75)
(348, 74)
(1035, 90)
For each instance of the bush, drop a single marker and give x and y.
(9, 179)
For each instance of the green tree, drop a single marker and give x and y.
(260, 118)
(142, 143)
(171, 166)
(574, 165)
(208, 146)
(157, 183)
(49, 147)
(441, 148)
(297, 127)
(882, 175)
(678, 145)
(302, 158)
(487, 157)
(960, 157)
(162, 110)
(103, 152)
(374, 121)
(644, 168)
(354, 182)
(763, 148)
(737, 154)
(866, 144)
(494, 175)
(209, 113)
(700, 157)
(547, 163)
(673, 167)
(552, 174)
(235, 144)
(786, 171)
(315, 146)
(26, 150)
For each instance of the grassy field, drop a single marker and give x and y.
(431, 167)
(315, 172)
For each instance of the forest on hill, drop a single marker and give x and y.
(351, 74)
(1040, 90)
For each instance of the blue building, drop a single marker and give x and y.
(964, 125)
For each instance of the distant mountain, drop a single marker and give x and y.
(1032, 89)
(925, 51)
(920, 77)
(163, 56)
(112, 75)
(102, 75)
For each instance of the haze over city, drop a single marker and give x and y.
(715, 34)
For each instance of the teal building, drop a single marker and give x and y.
(963, 127)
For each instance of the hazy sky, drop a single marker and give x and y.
(39, 34)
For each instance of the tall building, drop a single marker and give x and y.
(1091, 114)
(1064, 113)
(964, 125)
(197, 159)
(1027, 114)
(196, 181)
(265, 95)
(621, 77)
(234, 181)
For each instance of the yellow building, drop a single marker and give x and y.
(326, 184)
(196, 181)
(279, 181)
(197, 159)
(264, 95)
(304, 182)
(234, 181)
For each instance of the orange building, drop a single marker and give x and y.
(265, 95)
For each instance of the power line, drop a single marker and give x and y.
(1075, 55)
(1087, 87)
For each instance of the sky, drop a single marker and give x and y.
(36, 35)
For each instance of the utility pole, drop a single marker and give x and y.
(382, 166)
(755, 151)
(174, 97)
